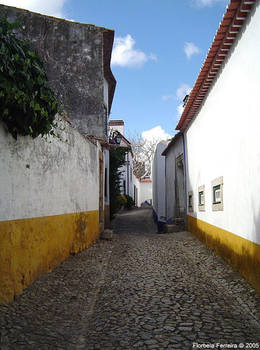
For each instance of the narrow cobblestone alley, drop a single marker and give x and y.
(141, 290)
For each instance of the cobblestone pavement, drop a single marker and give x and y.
(141, 290)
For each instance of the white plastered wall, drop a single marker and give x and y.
(136, 184)
(158, 184)
(175, 151)
(41, 177)
(145, 192)
(130, 175)
(127, 172)
(224, 140)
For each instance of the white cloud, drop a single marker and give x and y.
(168, 97)
(190, 49)
(124, 54)
(180, 109)
(47, 7)
(155, 134)
(181, 92)
(205, 3)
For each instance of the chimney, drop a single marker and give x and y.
(117, 125)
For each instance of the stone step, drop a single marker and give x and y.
(170, 228)
(107, 235)
(178, 221)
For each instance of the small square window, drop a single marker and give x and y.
(190, 201)
(201, 197)
(217, 194)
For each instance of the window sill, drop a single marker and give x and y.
(217, 206)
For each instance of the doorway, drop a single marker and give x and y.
(101, 191)
(179, 188)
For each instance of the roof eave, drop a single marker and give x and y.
(172, 142)
(231, 24)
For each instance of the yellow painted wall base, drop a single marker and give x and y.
(31, 247)
(242, 254)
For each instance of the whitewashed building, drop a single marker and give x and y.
(159, 185)
(142, 191)
(53, 192)
(127, 184)
(175, 203)
(221, 127)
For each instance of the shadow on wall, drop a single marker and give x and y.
(256, 218)
(256, 251)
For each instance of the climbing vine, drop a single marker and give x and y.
(117, 159)
(27, 105)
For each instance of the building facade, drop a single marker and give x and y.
(175, 198)
(76, 57)
(221, 127)
(53, 191)
(143, 191)
(159, 185)
(116, 127)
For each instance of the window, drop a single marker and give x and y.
(217, 194)
(190, 201)
(201, 196)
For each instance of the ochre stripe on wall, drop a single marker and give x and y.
(242, 254)
(31, 247)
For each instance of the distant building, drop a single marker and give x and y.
(118, 125)
(127, 186)
(159, 185)
(175, 200)
(142, 191)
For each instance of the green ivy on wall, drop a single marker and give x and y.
(117, 159)
(27, 105)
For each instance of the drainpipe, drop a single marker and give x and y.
(185, 178)
(127, 173)
(165, 188)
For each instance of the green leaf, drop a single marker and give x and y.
(37, 107)
(27, 104)
(39, 80)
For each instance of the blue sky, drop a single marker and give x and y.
(159, 48)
